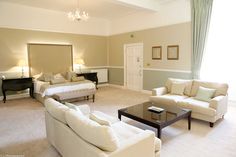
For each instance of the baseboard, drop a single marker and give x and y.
(117, 86)
(16, 96)
(103, 85)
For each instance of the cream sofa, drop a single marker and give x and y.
(207, 111)
(67, 132)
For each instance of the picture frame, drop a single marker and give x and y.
(173, 52)
(157, 52)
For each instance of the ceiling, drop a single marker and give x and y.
(106, 9)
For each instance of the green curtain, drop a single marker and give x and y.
(201, 14)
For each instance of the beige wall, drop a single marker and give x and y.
(178, 34)
(13, 46)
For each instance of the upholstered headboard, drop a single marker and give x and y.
(49, 58)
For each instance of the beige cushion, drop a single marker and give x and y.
(58, 76)
(205, 94)
(167, 99)
(221, 88)
(188, 86)
(109, 118)
(56, 109)
(57, 81)
(69, 75)
(99, 119)
(46, 77)
(177, 88)
(197, 106)
(71, 106)
(76, 79)
(99, 135)
(125, 132)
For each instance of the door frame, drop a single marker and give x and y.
(125, 62)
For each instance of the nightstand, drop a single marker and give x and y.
(92, 76)
(17, 84)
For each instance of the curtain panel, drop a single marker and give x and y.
(201, 15)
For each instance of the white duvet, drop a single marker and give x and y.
(45, 89)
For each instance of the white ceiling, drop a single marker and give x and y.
(106, 9)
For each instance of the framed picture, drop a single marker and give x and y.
(173, 52)
(156, 52)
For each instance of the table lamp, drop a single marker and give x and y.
(22, 64)
(79, 62)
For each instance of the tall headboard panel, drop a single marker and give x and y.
(49, 58)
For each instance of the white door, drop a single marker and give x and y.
(134, 66)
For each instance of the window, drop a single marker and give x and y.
(219, 62)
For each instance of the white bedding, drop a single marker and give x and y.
(59, 88)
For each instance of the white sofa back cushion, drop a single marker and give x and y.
(177, 88)
(99, 135)
(221, 88)
(188, 83)
(56, 109)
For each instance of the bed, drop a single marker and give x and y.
(56, 60)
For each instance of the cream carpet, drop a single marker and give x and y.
(22, 128)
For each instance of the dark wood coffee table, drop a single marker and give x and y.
(161, 120)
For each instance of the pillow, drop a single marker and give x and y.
(205, 94)
(76, 79)
(99, 119)
(58, 76)
(37, 76)
(57, 81)
(46, 77)
(177, 88)
(101, 136)
(70, 105)
(69, 75)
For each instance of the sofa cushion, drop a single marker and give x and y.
(111, 119)
(100, 120)
(205, 94)
(167, 99)
(177, 88)
(70, 105)
(197, 106)
(187, 90)
(221, 88)
(125, 132)
(56, 109)
(101, 136)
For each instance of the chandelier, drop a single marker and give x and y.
(78, 15)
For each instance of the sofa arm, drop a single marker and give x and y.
(159, 91)
(141, 145)
(220, 104)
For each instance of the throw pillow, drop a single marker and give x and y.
(69, 75)
(99, 135)
(76, 79)
(58, 76)
(57, 81)
(177, 88)
(205, 94)
(99, 119)
(72, 106)
(48, 77)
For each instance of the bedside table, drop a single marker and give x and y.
(17, 84)
(92, 76)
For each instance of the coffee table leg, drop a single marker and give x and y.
(159, 132)
(119, 115)
(189, 122)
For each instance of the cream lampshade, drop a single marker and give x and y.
(22, 64)
(79, 62)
